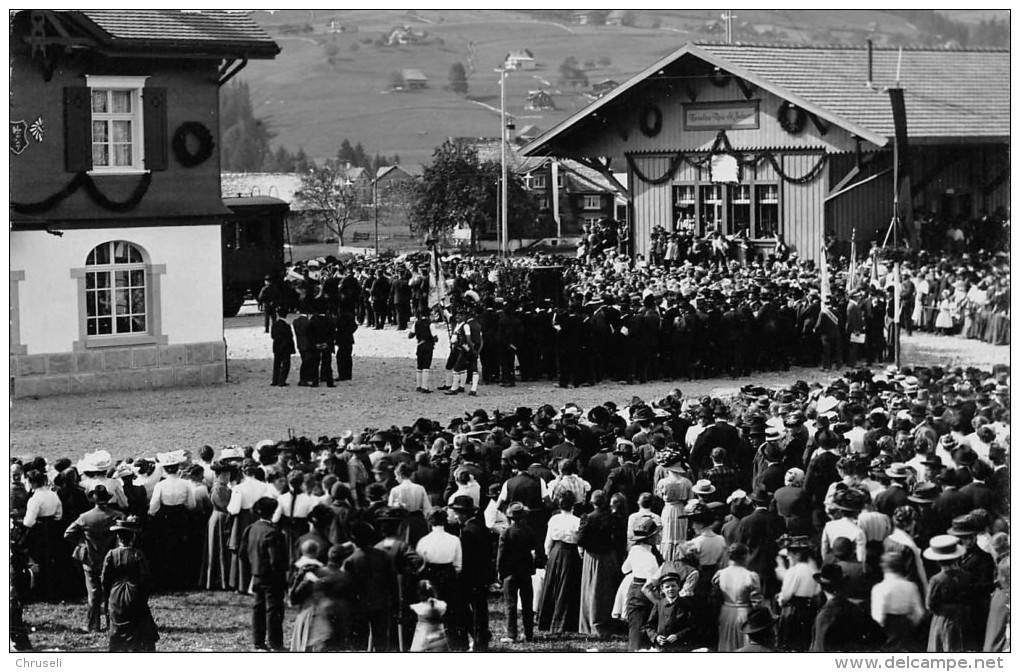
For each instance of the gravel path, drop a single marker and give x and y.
(248, 409)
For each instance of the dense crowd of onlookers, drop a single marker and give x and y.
(868, 512)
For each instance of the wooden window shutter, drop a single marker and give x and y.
(154, 122)
(77, 129)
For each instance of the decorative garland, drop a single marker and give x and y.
(793, 125)
(719, 78)
(180, 144)
(650, 121)
(85, 180)
(721, 145)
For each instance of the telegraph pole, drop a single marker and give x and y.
(504, 244)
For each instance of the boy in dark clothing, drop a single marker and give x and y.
(519, 547)
(265, 558)
(671, 625)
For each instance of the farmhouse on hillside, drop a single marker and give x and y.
(405, 35)
(115, 208)
(414, 79)
(519, 60)
(797, 141)
(539, 100)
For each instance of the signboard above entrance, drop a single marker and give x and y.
(735, 115)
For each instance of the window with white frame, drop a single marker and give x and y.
(543, 203)
(538, 181)
(593, 202)
(115, 290)
(117, 142)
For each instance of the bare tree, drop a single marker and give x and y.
(329, 191)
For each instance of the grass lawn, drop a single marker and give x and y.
(220, 621)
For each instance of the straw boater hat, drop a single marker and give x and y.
(125, 470)
(231, 453)
(703, 487)
(170, 459)
(943, 547)
(773, 433)
(964, 526)
(129, 524)
(898, 471)
(516, 510)
(924, 493)
(97, 461)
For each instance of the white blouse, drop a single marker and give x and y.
(562, 527)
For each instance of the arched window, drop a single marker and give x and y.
(115, 290)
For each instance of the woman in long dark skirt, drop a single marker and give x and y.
(559, 607)
(73, 503)
(169, 509)
(128, 583)
(45, 535)
(600, 569)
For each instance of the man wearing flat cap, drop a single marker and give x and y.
(92, 537)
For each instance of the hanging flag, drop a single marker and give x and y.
(851, 277)
(897, 288)
(824, 277)
(437, 282)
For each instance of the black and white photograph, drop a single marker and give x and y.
(554, 331)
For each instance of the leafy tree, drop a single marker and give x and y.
(332, 51)
(458, 78)
(597, 17)
(628, 19)
(571, 73)
(522, 211)
(451, 192)
(396, 80)
(328, 191)
(302, 164)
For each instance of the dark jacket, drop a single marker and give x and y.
(630, 481)
(283, 337)
(91, 532)
(519, 547)
(374, 577)
(759, 530)
(843, 626)
(303, 333)
(264, 552)
(476, 549)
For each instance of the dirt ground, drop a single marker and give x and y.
(247, 409)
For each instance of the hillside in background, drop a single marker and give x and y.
(336, 75)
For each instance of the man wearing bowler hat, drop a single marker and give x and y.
(760, 531)
(520, 550)
(980, 569)
(760, 631)
(476, 572)
(840, 624)
(93, 538)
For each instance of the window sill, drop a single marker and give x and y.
(118, 171)
(92, 342)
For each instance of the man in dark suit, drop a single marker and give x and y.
(854, 328)
(793, 504)
(375, 581)
(827, 326)
(773, 475)
(308, 375)
(283, 348)
(981, 495)
(821, 470)
(346, 325)
(759, 531)
(91, 533)
(840, 624)
(380, 293)
(400, 293)
(519, 548)
(628, 479)
(264, 556)
(896, 494)
(720, 434)
(323, 331)
(476, 572)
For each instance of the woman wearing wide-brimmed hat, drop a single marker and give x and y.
(948, 596)
(675, 489)
(643, 560)
(798, 596)
(128, 583)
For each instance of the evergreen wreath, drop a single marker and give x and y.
(719, 78)
(85, 181)
(186, 157)
(791, 118)
(650, 121)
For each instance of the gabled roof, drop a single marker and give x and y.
(945, 90)
(414, 74)
(208, 31)
(948, 92)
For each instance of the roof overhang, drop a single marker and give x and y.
(542, 144)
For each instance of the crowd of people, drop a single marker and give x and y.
(870, 512)
(610, 318)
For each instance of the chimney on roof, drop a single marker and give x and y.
(871, 56)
